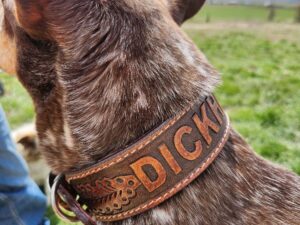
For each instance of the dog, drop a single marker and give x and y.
(26, 141)
(8, 48)
(102, 73)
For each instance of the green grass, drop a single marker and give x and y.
(242, 13)
(261, 89)
(54, 220)
(16, 103)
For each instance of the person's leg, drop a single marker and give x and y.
(21, 201)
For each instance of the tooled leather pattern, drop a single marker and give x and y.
(108, 194)
(133, 187)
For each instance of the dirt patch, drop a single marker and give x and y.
(272, 31)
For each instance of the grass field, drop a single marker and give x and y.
(261, 80)
(215, 13)
(260, 91)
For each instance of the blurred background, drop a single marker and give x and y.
(255, 44)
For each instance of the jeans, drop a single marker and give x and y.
(21, 201)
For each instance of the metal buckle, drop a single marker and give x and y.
(64, 202)
(59, 204)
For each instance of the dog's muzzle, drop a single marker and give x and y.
(146, 173)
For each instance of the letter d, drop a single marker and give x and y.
(150, 185)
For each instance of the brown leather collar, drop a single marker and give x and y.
(148, 172)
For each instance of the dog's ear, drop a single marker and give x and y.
(7, 45)
(28, 142)
(7, 54)
(31, 16)
(182, 10)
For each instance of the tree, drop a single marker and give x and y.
(297, 18)
(272, 13)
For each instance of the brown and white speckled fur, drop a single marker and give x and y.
(104, 72)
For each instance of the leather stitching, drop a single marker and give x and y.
(127, 153)
(178, 187)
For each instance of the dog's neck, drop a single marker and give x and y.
(135, 93)
(122, 86)
(114, 76)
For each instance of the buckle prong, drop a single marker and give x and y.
(64, 203)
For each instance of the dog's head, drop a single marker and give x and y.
(40, 19)
(27, 145)
(25, 138)
(91, 67)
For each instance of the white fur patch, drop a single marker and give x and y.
(167, 56)
(195, 59)
(68, 136)
(23, 131)
(162, 216)
(10, 4)
(141, 101)
(184, 47)
(49, 138)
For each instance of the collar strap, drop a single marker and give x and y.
(154, 168)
